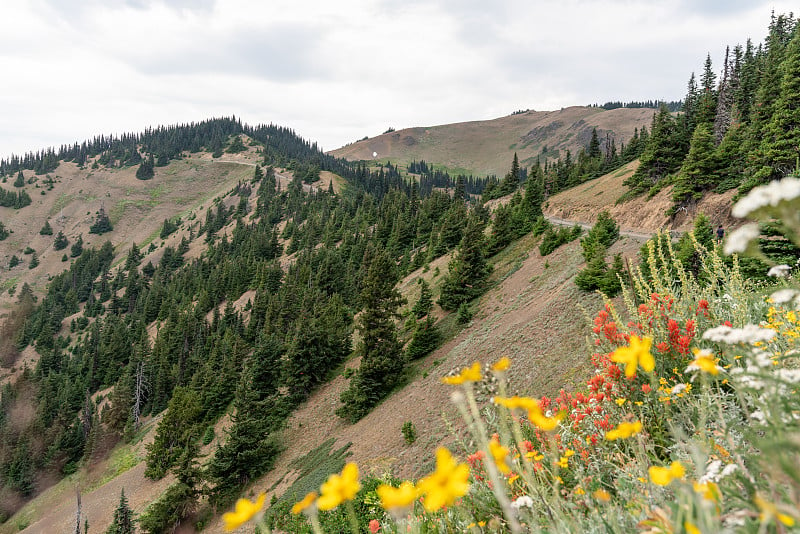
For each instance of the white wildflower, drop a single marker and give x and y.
(749, 334)
(523, 501)
(763, 359)
(782, 296)
(677, 388)
(789, 375)
(712, 472)
(770, 194)
(758, 415)
(739, 239)
(779, 271)
(728, 470)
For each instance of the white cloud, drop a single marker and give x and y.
(336, 71)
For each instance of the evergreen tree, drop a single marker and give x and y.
(4, 233)
(146, 169)
(123, 522)
(425, 339)
(77, 247)
(20, 181)
(780, 141)
(382, 358)
(424, 304)
(102, 223)
(60, 241)
(698, 172)
(662, 155)
(468, 270)
(46, 229)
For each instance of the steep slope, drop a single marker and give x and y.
(487, 147)
(582, 204)
(136, 208)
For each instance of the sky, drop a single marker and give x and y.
(336, 71)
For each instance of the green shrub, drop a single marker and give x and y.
(409, 432)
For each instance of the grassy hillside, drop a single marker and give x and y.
(486, 147)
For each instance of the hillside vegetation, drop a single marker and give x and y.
(294, 310)
(484, 148)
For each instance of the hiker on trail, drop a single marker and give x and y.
(720, 233)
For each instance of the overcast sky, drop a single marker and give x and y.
(338, 70)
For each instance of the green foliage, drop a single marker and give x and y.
(10, 199)
(409, 432)
(662, 154)
(382, 357)
(236, 145)
(102, 223)
(14, 261)
(123, 522)
(597, 275)
(468, 271)
(464, 313)
(176, 428)
(169, 227)
(20, 180)
(34, 261)
(425, 339)
(165, 515)
(46, 229)
(699, 170)
(555, 237)
(146, 169)
(77, 247)
(424, 304)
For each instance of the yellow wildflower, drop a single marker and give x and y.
(601, 495)
(691, 528)
(620, 401)
(709, 490)
(339, 488)
(499, 453)
(704, 360)
(770, 511)
(512, 479)
(468, 374)
(501, 365)
(244, 511)
(307, 501)
(637, 354)
(579, 491)
(524, 403)
(548, 424)
(449, 482)
(662, 476)
(624, 430)
(563, 462)
(397, 498)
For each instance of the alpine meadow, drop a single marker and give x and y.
(582, 320)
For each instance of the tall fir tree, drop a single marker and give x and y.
(382, 357)
(468, 270)
(123, 522)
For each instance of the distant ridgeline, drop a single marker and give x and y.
(209, 356)
(653, 104)
(166, 143)
(737, 130)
